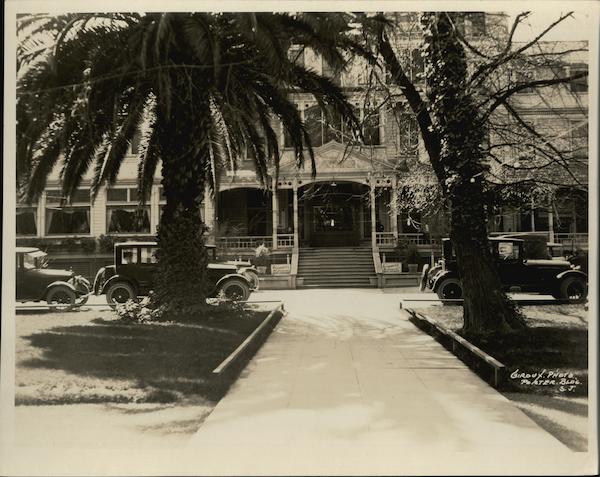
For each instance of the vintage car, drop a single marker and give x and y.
(558, 278)
(135, 264)
(243, 267)
(61, 289)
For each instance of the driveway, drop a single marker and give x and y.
(346, 384)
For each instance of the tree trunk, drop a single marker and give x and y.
(460, 168)
(181, 282)
(486, 308)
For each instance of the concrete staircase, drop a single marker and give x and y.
(339, 267)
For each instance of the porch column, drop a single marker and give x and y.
(394, 209)
(373, 215)
(532, 216)
(209, 216)
(275, 211)
(550, 222)
(296, 242)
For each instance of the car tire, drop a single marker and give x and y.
(450, 289)
(118, 293)
(61, 298)
(235, 290)
(573, 289)
(423, 282)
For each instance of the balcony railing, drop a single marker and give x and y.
(577, 239)
(244, 242)
(285, 240)
(253, 241)
(387, 239)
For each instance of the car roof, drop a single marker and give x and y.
(26, 249)
(136, 244)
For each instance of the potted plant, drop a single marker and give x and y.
(262, 258)
(413, 258)
(407, 252)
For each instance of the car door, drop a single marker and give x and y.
(147, 268)
(510, 264)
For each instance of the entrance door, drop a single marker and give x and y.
(332, 216)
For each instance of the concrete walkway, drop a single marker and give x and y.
(346, 384)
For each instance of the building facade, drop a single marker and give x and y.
(351, 202)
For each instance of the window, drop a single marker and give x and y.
(417, 66)
(148, 255)
(135, 142)
(408, 130)
(477, 20)
(123, 214)
(371, 128)
(129, 256)
(313, 121)
(331, 73)
(26, 223)
(579, 138)
(525, 77)
(579, 85)
(72, 219)
(508, 251)
(296, 55)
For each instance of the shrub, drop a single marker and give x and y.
(140, 311)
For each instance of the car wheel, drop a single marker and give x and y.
(61, 298)
(252, 277)
(118, 293)
(423, 282)
(450, 289)
(573, 289)
(235, 290)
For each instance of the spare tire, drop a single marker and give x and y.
(423, 282)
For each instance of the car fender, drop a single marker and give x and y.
(58, 284)
(440, 276)
(117, 278)
(229, 277)
(569, 273)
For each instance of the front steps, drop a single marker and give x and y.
(336, 267)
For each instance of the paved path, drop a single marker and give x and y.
(346, 384)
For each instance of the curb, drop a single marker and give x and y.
(518, 301)
(485, 366)
(225, 373)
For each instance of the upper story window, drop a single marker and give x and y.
(331, 73)
(135, 143)
(524, 76)
(123, 213)
(371, 128)
(71, 219)
(579, 85)
(408, 130)
(477, 23)
(296, 55)
(579, 138)
(470, 23)
(324, 127)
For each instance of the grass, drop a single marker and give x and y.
(556, 341)
(92, 357)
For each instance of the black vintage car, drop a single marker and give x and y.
(134, 268)
(558, 278)
(61, 289)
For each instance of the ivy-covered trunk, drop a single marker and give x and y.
(460, 168)
(181, 282)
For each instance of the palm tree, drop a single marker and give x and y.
(205, 87)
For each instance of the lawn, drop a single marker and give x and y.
(91, 357)
(555, 346)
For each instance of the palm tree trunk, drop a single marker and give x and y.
(181, 284)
